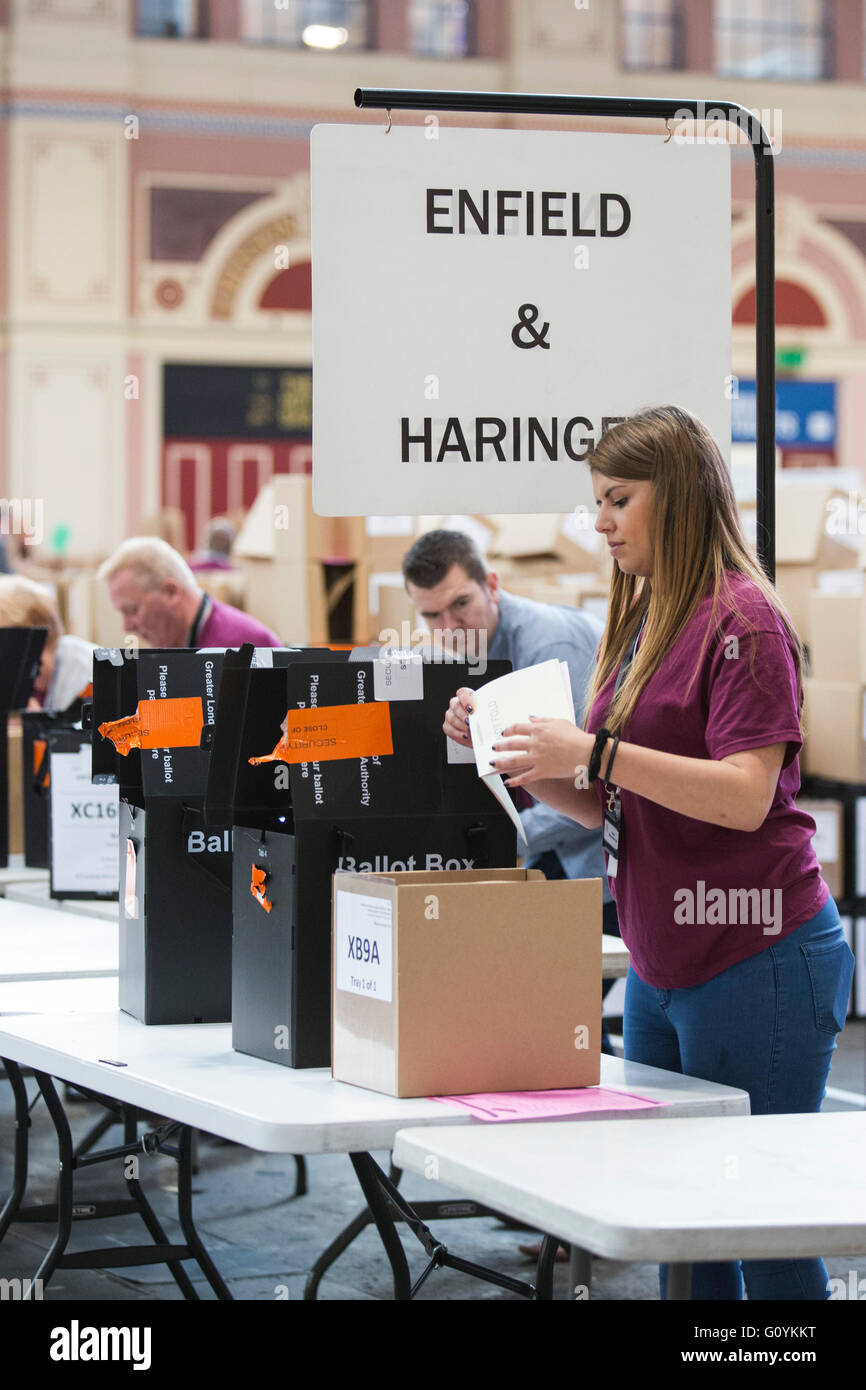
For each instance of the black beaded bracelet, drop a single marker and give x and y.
(611, 758)
(601, 739)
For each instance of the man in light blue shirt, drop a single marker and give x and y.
(446, 580)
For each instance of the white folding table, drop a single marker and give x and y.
(16, 871)
(190, 1074)
(627, 1191)
(39, 895)
(92, 994)
(38, 943)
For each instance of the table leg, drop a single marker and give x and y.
(544, 1269)
(679, 1285)
(368, 1176)
(334, 1251)
(579, 1271)
(184, 1213)
(300, 1175)
(65, 1166)
(388, 1205)
(22, 1127)
(148, 1215)
(162, 1251)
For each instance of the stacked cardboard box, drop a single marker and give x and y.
(836, 689)
(558, 559)
(809, 540)
(294, 564)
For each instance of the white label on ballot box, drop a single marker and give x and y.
(364, 941)
(83, 827)
(398, 675)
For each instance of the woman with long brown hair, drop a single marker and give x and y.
(739, 973)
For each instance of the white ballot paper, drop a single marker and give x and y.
(543, 690)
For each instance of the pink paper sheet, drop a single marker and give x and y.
(541, 1105)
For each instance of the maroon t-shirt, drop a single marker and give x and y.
(225, 626)
(695, 898)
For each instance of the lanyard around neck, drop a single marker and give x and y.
(627, 659)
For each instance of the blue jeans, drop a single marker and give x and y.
(767, 1026)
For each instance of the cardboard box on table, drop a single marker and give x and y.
(835, 719)
(828, 840)
(466, 982)
(411, 808)
(174, 867)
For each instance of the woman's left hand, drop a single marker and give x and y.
(550, 748)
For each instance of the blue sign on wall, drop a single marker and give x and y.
(805, 414)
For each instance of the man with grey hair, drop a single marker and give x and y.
(156, 594)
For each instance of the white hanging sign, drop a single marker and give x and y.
(486, 302)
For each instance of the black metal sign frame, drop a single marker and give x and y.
(666, 109)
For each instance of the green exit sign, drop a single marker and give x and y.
(790, 357)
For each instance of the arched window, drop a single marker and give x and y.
(290, 290)
(796, 307)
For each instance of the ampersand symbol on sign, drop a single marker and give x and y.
(526, 317)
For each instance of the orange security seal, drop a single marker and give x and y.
(330, 732)
(158, 724)
(258, 887)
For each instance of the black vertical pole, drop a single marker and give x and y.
(4, 788)
(666, 109)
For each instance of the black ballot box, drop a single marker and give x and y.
(20, 658)
(281, 958)
(296, 825)
(37, 730)
(175, 859)
(175, 914)
(174, 872)
(36, 725)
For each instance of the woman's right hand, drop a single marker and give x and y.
(456, 723)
